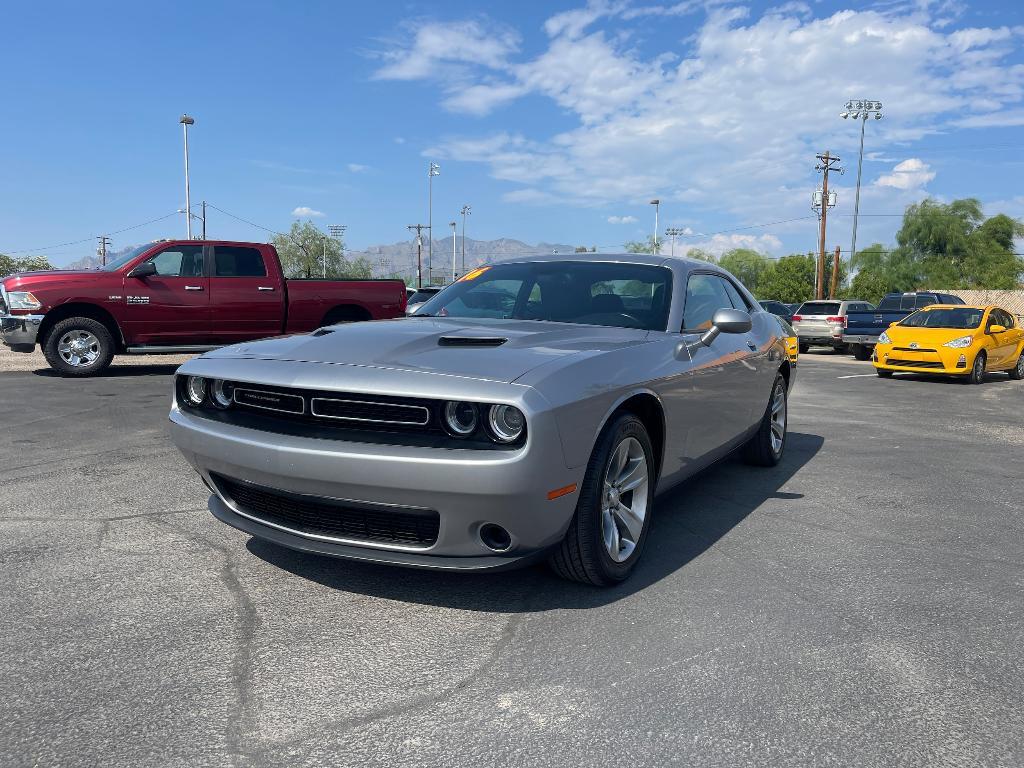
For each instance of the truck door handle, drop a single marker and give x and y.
(264, 288)
(193, 287)
(752, 345)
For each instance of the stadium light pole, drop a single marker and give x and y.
(186, 121)
(860, 110)
(434, 170)
(657, 205)
(453, 225)
(674, 232)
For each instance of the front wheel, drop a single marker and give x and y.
(883, 374)
(1017, 372)
(609, 529)
(977, 374)
(766, 446)
(79, 346)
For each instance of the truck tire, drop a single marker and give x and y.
(861, 352)
(585, 553)
(78, 347)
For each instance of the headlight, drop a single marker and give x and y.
(195, 390)
(23, 300)
(963, 341)
(884, 338)
(222, 393)
(506, 422)
(460, 418)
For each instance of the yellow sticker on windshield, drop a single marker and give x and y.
(474, 274)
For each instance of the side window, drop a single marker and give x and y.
(705, 294)
(179, 261)
(736, 297)
(1005, 319)
(924, 300)
(235, 261)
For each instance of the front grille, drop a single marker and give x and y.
(914, 363)
(912, 349)
(369, 412)
(333, 518)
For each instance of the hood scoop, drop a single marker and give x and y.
(471, 341)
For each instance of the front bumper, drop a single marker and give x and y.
(944, 360)
(19, 330)
(467, 488)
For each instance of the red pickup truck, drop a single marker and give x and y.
(177, 296)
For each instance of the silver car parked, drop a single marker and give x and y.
(532, 409)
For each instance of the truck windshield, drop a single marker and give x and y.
(960, 318)
(113, 266)
(588, 293)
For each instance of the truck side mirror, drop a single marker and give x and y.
(145, 269)
(723, 321)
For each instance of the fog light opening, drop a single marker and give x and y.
(495, 537)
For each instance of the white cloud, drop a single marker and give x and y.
(622, 219)
(304, 211)
(910, 174)
(719, 244)
(438, 46)
(357, 168)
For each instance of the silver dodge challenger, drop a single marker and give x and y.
(532, 409)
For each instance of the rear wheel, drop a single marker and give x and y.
(977, 374)
(841, 348)
(79, 346)
(766, 446)
(609, 529)
(1017, 372)
(804, 347)
(862, 352)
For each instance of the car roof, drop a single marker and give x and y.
(650, 259)
(981, 307)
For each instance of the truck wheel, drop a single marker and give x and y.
(609, 529)
(79, 346)
(862, 352)
(765, 448)
(804, 348)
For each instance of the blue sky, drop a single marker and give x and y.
(556, 121)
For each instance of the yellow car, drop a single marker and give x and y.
(792, 342)
(958, 340)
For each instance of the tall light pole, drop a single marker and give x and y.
(466, 210)
(186, 121)
(337, 232)
(674, 232)
(453, 225)
(435, 170)
(657, 204)
(860, 110)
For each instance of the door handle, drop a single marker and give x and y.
(752, 345)
(264, 288)
(193, 287)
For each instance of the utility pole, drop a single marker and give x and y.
(102, 249)
(434, 170)
(826, 164)
(835, 275)
(453, 225)
(466, 210)
(419, 251)
(673, 232)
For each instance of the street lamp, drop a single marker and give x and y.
(466, 210)
(435, 170)
(186, 121)
(452, 224)
(860, 110)
(657, 204)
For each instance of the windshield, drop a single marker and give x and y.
(588, 293)
(960, 318)
(112, 266)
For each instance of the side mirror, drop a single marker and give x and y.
(996, 328)
(894, 322)
(724, 321)
(145, 269)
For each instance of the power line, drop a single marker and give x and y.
(94, 237)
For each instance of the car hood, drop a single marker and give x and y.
(47, 278)
(444, 346)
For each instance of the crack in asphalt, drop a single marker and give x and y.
(108, 520)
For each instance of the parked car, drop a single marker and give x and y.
(864, 325)
(420, 296)
(822, 322)
(792, 342)
(785, 311)
(451, 440)
(964, 341)
(177, 296)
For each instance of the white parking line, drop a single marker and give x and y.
(857, 376)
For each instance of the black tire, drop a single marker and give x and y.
(883, 374)
(1017, 372)
(582, 555)
(760, 450)
(100, 353)
(803, 348)
(862, 352)
(841, 349)
(977, 374)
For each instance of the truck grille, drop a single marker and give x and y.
(914, 363)
(333, 518)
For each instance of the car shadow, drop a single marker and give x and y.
(688, 520)
(118, 371)
(991, 377)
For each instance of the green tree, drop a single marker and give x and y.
(642, 246)
(303, 252)
(746, 264)
(700, 254)
(11, 264)
(789, 280)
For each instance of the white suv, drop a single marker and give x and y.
(822, 322)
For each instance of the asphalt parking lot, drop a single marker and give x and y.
(861, 604)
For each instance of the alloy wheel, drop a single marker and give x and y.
(778, 419)
(79, 349)
(624, 499)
